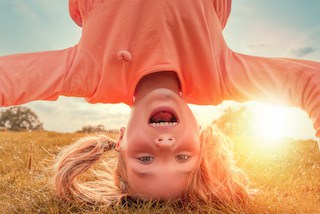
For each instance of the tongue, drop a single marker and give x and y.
(162, 116)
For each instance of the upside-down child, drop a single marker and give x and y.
(156, 56)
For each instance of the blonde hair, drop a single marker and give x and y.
(79, 158)
(217, 179)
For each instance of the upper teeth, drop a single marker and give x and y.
(164, 124)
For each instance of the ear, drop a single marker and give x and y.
(122, 131)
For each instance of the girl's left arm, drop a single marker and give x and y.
(33, 76)
(278, 80)
(46, 75)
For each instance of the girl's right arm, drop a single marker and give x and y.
(286, 81)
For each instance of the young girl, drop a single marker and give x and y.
(162, 155)
(156, 56)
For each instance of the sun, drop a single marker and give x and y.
(272, 123)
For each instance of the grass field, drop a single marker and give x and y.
(287, 176)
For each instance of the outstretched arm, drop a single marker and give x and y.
(287, 81)
(37, 76)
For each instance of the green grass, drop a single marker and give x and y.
(288, 178)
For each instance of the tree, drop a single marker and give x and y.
(92, 129)
(235, 121)
(20, 118)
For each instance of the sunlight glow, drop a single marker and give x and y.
(272, 123)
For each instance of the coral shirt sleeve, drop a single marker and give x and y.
(277, 80)
(223, 9)
(38, 76)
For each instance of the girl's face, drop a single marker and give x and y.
(160, 146)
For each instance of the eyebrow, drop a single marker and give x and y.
(143, 174)
(150, 174)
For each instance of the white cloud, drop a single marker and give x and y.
(304, 51)
(306, 44)
(24, 9)
(70, 114)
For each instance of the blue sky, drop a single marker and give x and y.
(286, 28)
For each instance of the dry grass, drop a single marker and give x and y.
(287, 178)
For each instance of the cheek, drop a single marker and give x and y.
(192, 144)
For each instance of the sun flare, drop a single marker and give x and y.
(272, 123)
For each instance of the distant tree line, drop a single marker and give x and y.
(19, 118)
(234, 121)
(92, 129)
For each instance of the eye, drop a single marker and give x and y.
(182, 157)
(145, 159)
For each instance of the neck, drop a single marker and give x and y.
(164, 79)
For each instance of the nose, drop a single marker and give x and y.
(165, 141)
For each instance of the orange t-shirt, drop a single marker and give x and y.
(122, 41)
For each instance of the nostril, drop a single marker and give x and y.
(166, 140)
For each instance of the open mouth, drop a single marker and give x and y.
(163, 117)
